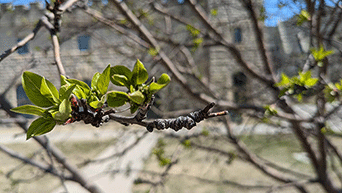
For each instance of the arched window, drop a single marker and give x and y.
(237, 35)
(22, 99)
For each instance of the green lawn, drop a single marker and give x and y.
(202, 171)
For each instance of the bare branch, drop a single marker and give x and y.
(44, 168)
(176, 124)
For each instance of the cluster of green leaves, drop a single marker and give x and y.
(263, 15)
(54, 107)
(333, 91)
(139, 92)
(213, 12)
(194, 32)
(320, 54)
(159, 152)
(304, 16)
(296, 85)
(270, 111)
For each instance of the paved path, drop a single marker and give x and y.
(120, 182)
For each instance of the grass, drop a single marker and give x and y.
(202, 171)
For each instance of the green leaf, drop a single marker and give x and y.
(303, 17)
(98, 104)
(66, 91)
(94, 81)
(161, 83)
(193, 31)
(47, 92)
(103, 81)
(311, 82)
(78, 91)
(81, 85)
(64, 111)
(117, 98)
(285, 80)
(299, 97)
(121, 70)
(270, 111)
(120, 80)
(31, 83)
(63, 80)
(137, 97)
(131, 88)
(320, 54)
(92, 98)
(304, 76)
(139, 74)
(152, 51)
(29, 109)
(40, 126)
(213, 12)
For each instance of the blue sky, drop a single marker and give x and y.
(273, 11)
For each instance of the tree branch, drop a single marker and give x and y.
(47, 169)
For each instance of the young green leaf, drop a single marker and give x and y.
(32, 83)
(64, 111)
(94, 81)
(47, 92)
(139, 74)
(117, 98)
(98, 104)
(40, 126)
(66, 91)
(63, 80)
(92, 98)
(161, 83)
(120, 80)
(137, 97)
(29, 109)
(320, 54)
(81, 85)
(78, 91)
(103, 81)
(285, 80)
(303, 17)
(121, 70)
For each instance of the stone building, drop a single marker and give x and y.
(87, 46)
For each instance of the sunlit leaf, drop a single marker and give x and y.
(103, 81)
(137, 97)
(31, 83)
(29, 109)
(40, 126)
(117, 98)
(139, 74)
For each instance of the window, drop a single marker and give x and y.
(239, 79)
(83, 42)
(24, 49)
(22, 99)
(237, 35)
